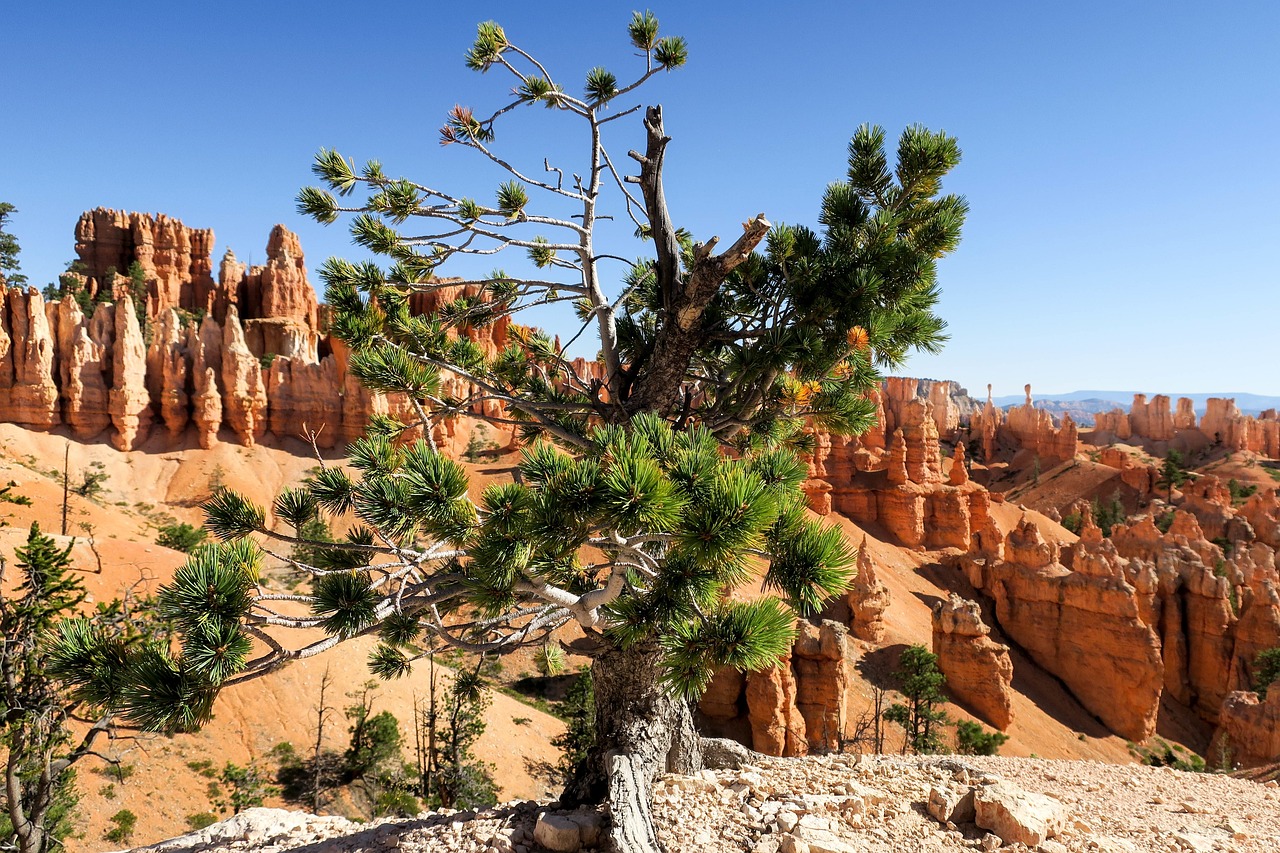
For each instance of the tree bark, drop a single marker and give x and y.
(685, 295)
(642, 731)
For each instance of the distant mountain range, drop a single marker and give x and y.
(1082, 405)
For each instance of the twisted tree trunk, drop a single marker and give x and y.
(642, 731)
(655, 378)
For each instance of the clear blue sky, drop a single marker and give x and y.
(1119, 158)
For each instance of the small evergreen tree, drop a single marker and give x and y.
(9, 251)
(477, 444)
(123, 823)
(375, 738)
(578, 710)
(239, 788)
(463, 781)
(37, 793)
(1239, 492)
(1173, 472)
(920, 682)
(1109, 514)
(1266, 670)
(313, 536)
(181, 537)
(666, 471)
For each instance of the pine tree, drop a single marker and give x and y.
(9, 251)
(462, 781)
(920, 682)
(1173, 472)
(651, 486)
(34, 705)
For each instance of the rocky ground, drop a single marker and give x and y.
(836, 805)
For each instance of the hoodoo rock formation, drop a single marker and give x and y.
(1142, 614)
(245, 352)
(129, 401)
(899, 483)
(1083, 623)
(28, 355)
(978, 669)
(795, 707)
(1222, 424)
(1025, 427)
(868, 599)
(174, 258)
(1250, 727)
(235, 353)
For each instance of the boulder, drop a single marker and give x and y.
(1017, 816)
(558, 832)
(951, 804)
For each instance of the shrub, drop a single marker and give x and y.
(1162, 754)
(92, 482)
(395, 802)
(118, 771)
(200, 820)
(972, 739)
(246, 788)
(125, 821)
(1240, 493)
(181, 537)
(11, 497)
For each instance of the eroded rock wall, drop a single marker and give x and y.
(244, 354)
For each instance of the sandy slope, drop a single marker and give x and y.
(251, 718)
